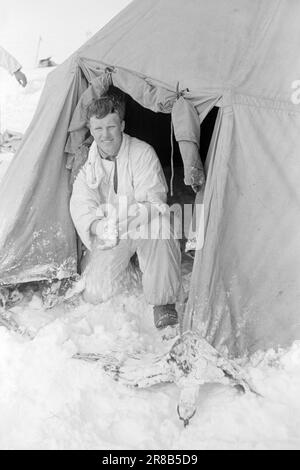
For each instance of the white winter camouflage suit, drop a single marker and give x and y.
(141, 183)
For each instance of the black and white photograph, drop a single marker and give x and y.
(150, 227)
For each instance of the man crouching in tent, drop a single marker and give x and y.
(120, 190)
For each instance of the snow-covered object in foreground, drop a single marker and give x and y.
(190, 363)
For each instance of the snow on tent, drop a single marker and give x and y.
(184, 57)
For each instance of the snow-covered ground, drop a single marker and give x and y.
(48, 400)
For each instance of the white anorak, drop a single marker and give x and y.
(140, 180)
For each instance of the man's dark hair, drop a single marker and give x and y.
(112, 102)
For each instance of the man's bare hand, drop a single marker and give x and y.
(21, 78)
(107, 233)
(195, 178)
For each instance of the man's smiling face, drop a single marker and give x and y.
(107, 133)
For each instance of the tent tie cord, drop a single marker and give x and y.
(109, 71)
(180, 93)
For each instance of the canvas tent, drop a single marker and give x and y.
(176, 56)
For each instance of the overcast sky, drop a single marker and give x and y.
(63, 25)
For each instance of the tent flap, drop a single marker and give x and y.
(245, 285)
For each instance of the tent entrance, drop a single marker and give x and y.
(155, 129)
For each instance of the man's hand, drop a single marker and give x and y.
(21, 78)
(195, 177)
(107, 232)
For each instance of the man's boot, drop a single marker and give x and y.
(165, 315)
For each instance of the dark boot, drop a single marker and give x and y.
(165, 315)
